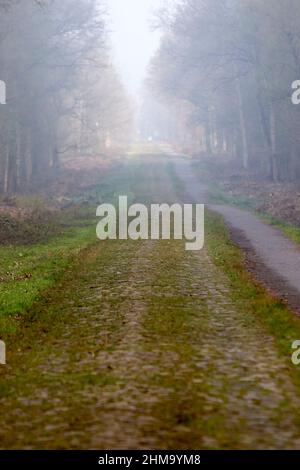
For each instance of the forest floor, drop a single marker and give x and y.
(141, 344)
(227, 184)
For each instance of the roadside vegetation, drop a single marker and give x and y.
(281, 322)
(37, 248)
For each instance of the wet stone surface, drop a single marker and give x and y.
(153, 353)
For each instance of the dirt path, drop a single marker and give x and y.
(144, 346)
(271, 256)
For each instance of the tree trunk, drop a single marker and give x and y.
(274, 163)
(242, 125)
(269, 132)
(6, 169)
(208, 146)
(11, 160)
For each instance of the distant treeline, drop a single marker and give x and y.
(225, 70)
(63, 96)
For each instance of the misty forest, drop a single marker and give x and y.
(128, 339)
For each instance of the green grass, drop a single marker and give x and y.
(26, 271)
(218, 196)
(178, 184)
(291, 231)
(281, 322)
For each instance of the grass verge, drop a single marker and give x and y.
(27, 270)
(280, 321)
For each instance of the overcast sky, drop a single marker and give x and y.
(133, 41)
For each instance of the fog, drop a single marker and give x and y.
(120, 122)
(134, 38)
